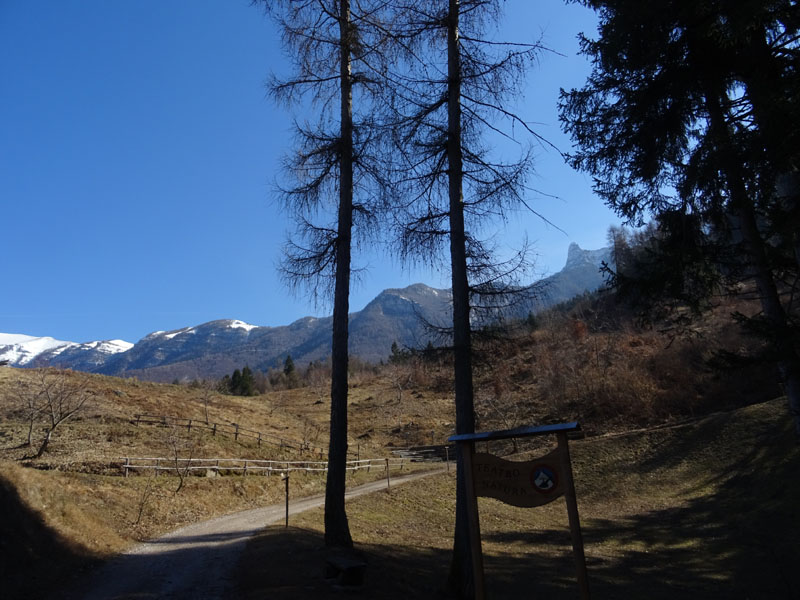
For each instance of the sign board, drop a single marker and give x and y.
(524, 484)
(520, 483)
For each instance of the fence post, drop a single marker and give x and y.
(245, 468)
(158, 462)
(214, 430)
(259, 439)
(137, 419)
(285, 477)
(127, 464)
(236, 433)
(388, 483)
(189, 425)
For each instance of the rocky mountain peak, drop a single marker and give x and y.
(578, 257)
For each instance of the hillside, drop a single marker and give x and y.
(704, 510)
(73, 507)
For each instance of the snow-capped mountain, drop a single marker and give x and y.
(217, 348)
(26, 351)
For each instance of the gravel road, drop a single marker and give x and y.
(197, 561)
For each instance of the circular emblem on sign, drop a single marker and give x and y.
(544, 479)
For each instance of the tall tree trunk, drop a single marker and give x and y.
(337, 529)
(757, 261)
(789, 360)
(460, 580)
(761, 79)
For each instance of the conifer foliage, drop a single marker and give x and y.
(690, 116)
(240, 383)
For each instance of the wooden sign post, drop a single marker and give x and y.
(524, 484)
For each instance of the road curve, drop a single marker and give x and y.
(197, 561)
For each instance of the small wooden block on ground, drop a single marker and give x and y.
(345, 570)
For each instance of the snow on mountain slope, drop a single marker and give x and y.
(23, 350)
(216, 348)
(20, 349)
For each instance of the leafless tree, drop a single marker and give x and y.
(147, 492)
(449, 99)
(181, 450)
(30, 398)
(333, 174)
(61, 394)
(206, 391)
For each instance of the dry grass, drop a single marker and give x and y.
(75, 509)
(705, 510)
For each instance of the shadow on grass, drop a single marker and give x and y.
(35, 561)
(737, 541)
(283, 564)
(740, 541)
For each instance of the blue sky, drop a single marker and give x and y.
(138, 152)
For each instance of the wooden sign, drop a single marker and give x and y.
(524, 484)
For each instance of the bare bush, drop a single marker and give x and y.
(56, 397)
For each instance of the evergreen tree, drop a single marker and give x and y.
(288, 366)
(247, 383)
(224, 386)
(236, 382)
(689, 115)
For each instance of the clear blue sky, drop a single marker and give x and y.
(138, 152)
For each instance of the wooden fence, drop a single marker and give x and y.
(433, 453)
(231, 430)
(250, 466)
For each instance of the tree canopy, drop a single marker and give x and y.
(689, 117)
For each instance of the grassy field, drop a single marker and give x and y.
(72, 508)
(702, 510)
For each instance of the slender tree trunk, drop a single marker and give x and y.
(45, 442)
(758, 264)
(460, 579)
(30, 429)
(337, 530)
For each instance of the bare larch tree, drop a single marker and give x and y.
(334, 177)
(449, 99)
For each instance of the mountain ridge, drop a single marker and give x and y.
(217, 347)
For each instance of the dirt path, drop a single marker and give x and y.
(196, 561)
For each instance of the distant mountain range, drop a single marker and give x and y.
(218, 347)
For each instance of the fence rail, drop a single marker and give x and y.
(433, 453)
(231, 430)
(251, 466)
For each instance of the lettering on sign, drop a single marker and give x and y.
(524, 484)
